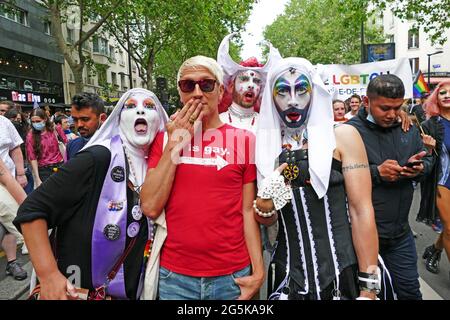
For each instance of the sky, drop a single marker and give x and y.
(263, 14)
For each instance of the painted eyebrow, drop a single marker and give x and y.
(282, 83)
(302, 81)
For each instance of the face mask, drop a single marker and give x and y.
(292, 96)
(139, 120)
(39, 126)
(370, 118)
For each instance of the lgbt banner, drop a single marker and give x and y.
(345, 80)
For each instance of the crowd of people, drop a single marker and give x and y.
(259, 173)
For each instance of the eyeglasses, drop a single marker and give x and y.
(206, 85)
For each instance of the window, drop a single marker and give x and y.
(87, 78)
(112, 53)
(414, 62)
(13, 13)
(85, 45)
(413, 39)
(392, 21)
(123, 84)
(100, 45)
(101, 74)
(391, 38)
(47, 28)
(114, 78)
(121, 58)
(70, 36)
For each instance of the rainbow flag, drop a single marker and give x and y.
(420, 87)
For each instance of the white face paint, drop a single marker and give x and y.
(292, 96)
(247, 87)
(139, 120)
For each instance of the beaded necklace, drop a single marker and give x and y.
(133, 173)
(152, 225)
(241, 116)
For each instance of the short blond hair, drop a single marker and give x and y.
(205, 62)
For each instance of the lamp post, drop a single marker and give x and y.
(429, 64)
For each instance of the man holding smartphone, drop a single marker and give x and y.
(396, 159)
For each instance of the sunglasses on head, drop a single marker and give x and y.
(206, 85)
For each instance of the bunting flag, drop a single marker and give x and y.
(420, 86)
(35, 105)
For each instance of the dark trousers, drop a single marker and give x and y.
(46, 171)
(400, 257)
(30, 186)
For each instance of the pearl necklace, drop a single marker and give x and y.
(149, 244)
(236, 113)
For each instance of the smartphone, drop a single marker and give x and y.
(413, 163)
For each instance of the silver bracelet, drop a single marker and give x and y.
(262, 213)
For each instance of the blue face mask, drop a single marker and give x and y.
(370, 118)
(39, 126)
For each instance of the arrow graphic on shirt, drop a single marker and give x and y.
(217, 161)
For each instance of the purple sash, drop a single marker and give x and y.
(106, 252)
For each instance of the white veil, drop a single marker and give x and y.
(111, 126)
(230, 67)
(321, 139)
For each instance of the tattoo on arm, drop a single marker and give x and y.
(355, 166)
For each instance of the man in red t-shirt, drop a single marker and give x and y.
(206, 185)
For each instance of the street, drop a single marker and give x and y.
(440, 282)
(433, 286)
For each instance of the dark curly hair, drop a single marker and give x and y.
(88, 100)
(37, 134)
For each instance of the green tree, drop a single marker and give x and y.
(162, 34)
(433, 16)
(323, 31)
(76, 14)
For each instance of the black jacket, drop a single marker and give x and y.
(391, 200)
(428, 211)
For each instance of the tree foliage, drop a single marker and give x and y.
(76, 14)
(323, 31)
(433, 16)
(162, 34)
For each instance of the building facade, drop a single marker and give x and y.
(30, 64)
(416, 46)
(109, 75)
(33, 69)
